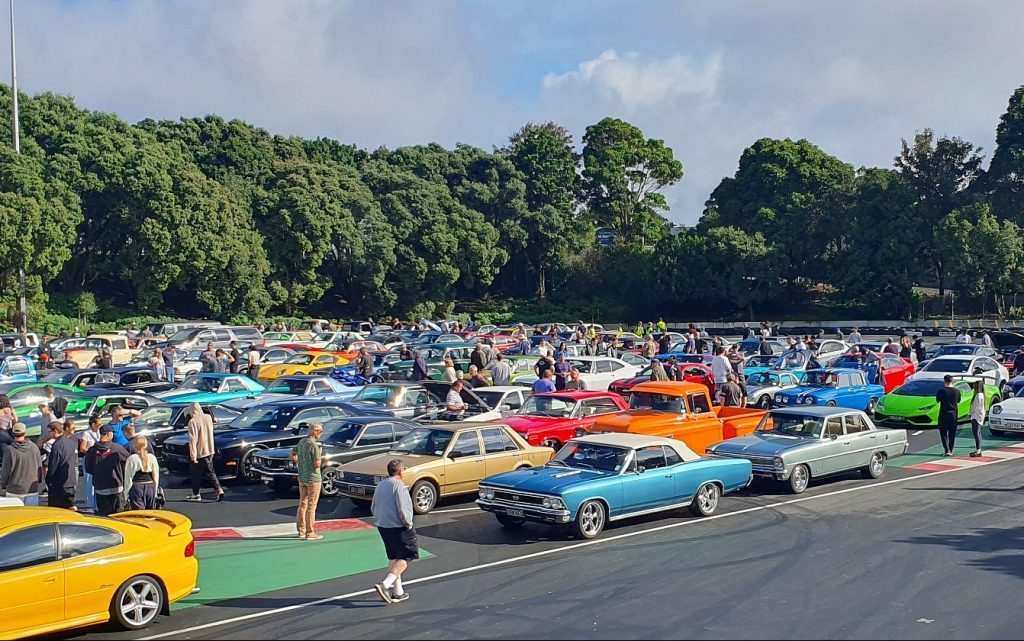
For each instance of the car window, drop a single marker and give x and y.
(855, 424)
(415, 398)
(235, 385)
(845, 380)
(514, 400)
(494, 441)
(221, 335)
(467, 444)
(650, 458)
(30, 396)
(603, 367)
(324, 360)
(988, 364)
(671, 456)
(699, 403)
(17, 366)
(833, 427)
(320, 387)
(316, 415)
(28, 547)
(77, 539)
(379, 434)
(401, 430)
(614, 366)
(121, 344)
(247, 334)
(595, 406)
(788, 379)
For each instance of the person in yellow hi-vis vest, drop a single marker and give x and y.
(662, 325)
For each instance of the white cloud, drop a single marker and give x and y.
(637, 81)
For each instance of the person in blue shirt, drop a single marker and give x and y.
(545, 383)
(120, 419)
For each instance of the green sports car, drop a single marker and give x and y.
(913, 404)
(26, 397)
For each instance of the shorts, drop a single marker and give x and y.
(400, 544)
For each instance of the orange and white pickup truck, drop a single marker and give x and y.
(681, 410)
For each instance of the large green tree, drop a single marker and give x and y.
(1006, 173)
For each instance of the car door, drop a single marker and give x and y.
(601, 376)
(863, 440)
(654, 484)
(86, 574)
(501, 454)
(464, 467)
(31, 579)
(989, 370)
(835, 449)
(688, 476)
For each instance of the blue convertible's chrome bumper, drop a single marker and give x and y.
(527, 512)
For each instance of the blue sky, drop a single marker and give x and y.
(707, 77)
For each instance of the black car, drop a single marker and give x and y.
(267, 426)
(424, 400)
(344, 440)
(164, 420)
(129, 378)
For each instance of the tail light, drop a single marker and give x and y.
(190, 549)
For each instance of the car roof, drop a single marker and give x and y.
(301, 400)
(836, 370)
(592, 358)
(811, 410)
(216, 374)
(11, 516)
(636, 441)
(106, 391)
(577, 396)
(301, 377)
(669, 387)
(956, 357)
(366, 420)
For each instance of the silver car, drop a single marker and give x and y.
(800, 443)
(761, 387)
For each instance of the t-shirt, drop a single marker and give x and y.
(543, 385)
(118, 428)
(732, 395)
(454, 399)
(720, 368)
(309, 451)
(949, 403)
(88, 437)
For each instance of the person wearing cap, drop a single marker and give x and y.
(105, 461)
(120, 418)
(62, 469)
(19, 473)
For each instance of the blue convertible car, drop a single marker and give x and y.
(833, 387)
(606, 477)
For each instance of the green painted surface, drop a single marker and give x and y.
(964, 446)
(244, 567)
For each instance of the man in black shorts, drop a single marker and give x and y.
(392, 511)
(948, 398)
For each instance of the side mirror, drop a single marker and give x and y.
(641, 469)
(834, 437)
(301, 427)
(455, 454)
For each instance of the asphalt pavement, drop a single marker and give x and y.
(916, 554)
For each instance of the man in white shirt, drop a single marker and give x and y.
(855, 336)
(254, 359)
(720, 367)
(987, 339)
(962, 338)
(801, 345)
(455, 405)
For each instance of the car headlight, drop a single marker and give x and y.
(557, 504)
(778, 399)
(546, 503)
(778, 463)
(486, 493)
(997, 409)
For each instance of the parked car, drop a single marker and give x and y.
(888, 370)
(163, 420)
(444, 460)
(129, 377)
(833, 387)
(90, 401)
(598, 372)
(281, 338)
(598, 479)
(752, 346)
(88, 354)
(798, 444)
(1007, 415)
(344, 440)
(265, 427)
(553, 419)
(212, 388)
(692, 372)
(763, 386)
(981, 367)
(63, 570)
(913, 404)
(300, 363)
(507, 399)
(17, 369)
(221, 336)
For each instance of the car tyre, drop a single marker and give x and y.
(424, 497)
(552, 443)
(705, 502)
(579, 432)
(765, 402)
(872, 404)
(590, 520)
(245, 473)
(875, 467)
(508, 522)
(830, 404)
(137, 603)
(799, 479)
(329, 485)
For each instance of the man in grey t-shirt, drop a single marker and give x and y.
(392, 512)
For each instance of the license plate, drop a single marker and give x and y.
(268, 479)
(764, 475)
(355, 489)
(896, 419)
(515, 513)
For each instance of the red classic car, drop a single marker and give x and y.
(554, 418)
(692, 372)
(888, 370)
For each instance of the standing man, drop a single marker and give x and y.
(575, 383)
(986, 339)
(855, 336)
(58, 404)
(763, 348)
(120, 419)
(478, 357)
(19, 474)
(664, 343)
(658, 371)
(949, 403)
(419, 367)
(650, 347)
(920, 351)
(105, 461)
(501, 372)
(209, 359)
(392, 512)
(545, 383)
(732, 393)
(308, 457)
(737, 360)
(453, 402)
(86, 440)
(363, 364)
(562, 368)
(236, 358)
(169, 362)
(254, 358)
(200, 453)
(62, 469)
(720, 369)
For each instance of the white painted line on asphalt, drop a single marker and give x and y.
(566, 548)
(918, 433)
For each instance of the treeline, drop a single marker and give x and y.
(214, 218)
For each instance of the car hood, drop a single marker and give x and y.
(630, 382)
(636, 420)
(197, 396)
(525, 423)
(378, 464)
(763, 444)
(809, 390)
(549, 479)
(898, 403)
(1013, 405)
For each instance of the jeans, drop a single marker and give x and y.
(976, 428)
(203, 468)
(947, 432)
(305, 518)
(170, 374)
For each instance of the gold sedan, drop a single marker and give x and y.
(443, 460)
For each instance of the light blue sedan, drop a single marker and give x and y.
(594, 480)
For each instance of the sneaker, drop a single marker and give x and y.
(398, 598)
(314, 537)
(220, 497)
(301, 535)
(382, 593)
(194, 498)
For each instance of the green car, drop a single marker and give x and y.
(913, 404)
(26, 397)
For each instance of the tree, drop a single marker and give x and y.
(1005, 178)
(940, 172)
(985, 256)
(623, 176)
(85, 305)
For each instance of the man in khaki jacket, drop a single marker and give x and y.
(200, 452)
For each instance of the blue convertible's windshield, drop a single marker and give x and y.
(592, 456)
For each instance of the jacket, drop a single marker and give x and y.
(19, 473)
(105, 461)
(200, 437)
(62, 464)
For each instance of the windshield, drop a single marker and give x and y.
(285, 386)
(790, 360)
(550, 406)
(822, 379)
(791, 424)
(763, 379)
(58, 377)
(277, 336)
(424, 441)
(158, 414)
(919, 388)
(956, 350)
(300, 359)
(657, 402)
(262, 418)
(381, 394)
(592, 456)
(953, 366)
(583, 367)
(201, 383)
(342, 435)
(324, 337)
(492, 399)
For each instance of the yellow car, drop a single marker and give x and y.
(443, 460)
(301, 363)
(60, 569)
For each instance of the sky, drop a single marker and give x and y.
(708, 78)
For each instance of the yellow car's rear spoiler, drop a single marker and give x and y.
(178, 523)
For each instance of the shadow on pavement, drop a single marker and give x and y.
(1002, 545)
